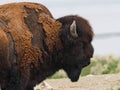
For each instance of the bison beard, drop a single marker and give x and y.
(33, 45)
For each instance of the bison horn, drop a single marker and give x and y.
(73, 29)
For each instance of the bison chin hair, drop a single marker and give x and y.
(73, 73)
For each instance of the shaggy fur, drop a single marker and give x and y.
(33, 45)
(77, 51)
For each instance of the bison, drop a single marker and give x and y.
(34, 45)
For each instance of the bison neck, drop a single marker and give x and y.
(48, 67)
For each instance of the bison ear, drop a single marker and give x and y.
(73, 30)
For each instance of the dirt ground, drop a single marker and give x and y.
(90, 82)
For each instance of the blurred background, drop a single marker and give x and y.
(103, 15)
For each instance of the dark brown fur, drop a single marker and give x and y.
(33, 45)
(77, 51)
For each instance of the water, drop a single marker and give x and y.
(103, 15)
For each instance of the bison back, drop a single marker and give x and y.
(21, 36)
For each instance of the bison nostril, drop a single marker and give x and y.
(91, 56)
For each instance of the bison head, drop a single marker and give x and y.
(76, 36)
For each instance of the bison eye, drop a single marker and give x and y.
(81, 45)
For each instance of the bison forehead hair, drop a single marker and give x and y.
(76, 36)
(82, 25)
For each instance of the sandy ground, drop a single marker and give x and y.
(91, 82)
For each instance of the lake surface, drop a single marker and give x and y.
(103, 15)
